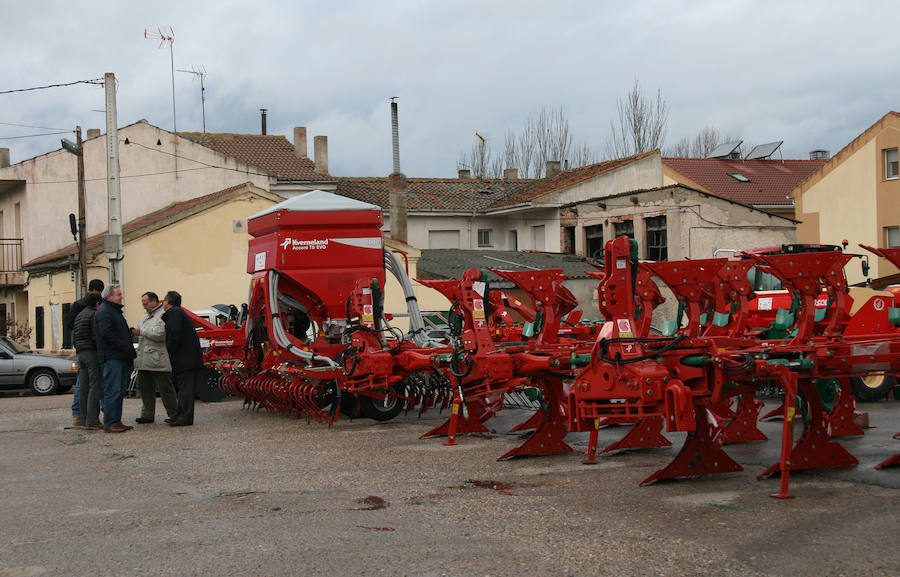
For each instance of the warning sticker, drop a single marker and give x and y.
(765, 303)
(624, 326)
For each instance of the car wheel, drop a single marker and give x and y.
(43, 382)
(871, 388)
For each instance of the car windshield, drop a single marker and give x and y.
(13, 345)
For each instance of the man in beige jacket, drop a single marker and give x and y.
(152, 363)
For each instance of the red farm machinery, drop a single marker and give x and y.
(315, 342)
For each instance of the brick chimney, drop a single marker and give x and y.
(4, 157)
(510, 173)
(464, 173)
(300, 141)
(552, 168)
(93, 132)
(320, 150)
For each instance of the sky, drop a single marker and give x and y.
(813, 74)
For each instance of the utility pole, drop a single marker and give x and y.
(82, 219)
(78, 151)
(112, 244)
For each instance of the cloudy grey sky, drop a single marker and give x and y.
(814, 74)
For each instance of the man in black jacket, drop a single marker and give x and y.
(116, 356)
(88, 368)
(94, 287)
(183, 347)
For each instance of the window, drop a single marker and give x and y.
(892, 236)
(484, 237)
(39, 327)
(593, 236)
(655, 227)
(890, 164)
(513, 240)
(624, 228)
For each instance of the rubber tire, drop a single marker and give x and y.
(375, 409)
(874, 390)
(43, 382)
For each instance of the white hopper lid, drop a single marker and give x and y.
(318, 201)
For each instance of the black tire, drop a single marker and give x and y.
(376, 409)
(43, 382)
(871, 388)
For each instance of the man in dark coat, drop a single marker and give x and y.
(183, 347)
(94, 287)
(116, 356)
(88, 368)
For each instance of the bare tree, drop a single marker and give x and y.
(703, 143)
(640, 124)
(544, 137)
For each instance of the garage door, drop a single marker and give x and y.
(443, 239)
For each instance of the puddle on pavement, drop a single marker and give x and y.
(499, 486)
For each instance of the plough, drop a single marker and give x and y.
(315, 342)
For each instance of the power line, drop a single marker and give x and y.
(29, 126)
(92, 81)
(34, 135)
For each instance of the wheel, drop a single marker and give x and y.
(871, 388)
(377, 410)
(43, 382)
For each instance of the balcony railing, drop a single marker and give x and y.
(10, 255)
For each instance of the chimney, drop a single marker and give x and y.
(320, 150)
(4, 157)
(93, 132)
(397, 183)
(552, 168)
(819, 154)
(464, 173)
(262, 112)
(300, 141)
(510, 173)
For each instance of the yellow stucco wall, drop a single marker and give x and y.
(845, 205)
(200, 257)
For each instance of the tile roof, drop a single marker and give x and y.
(441, 194)
(770, 181)
(567, 178)
(451, 263)
(149, 223)
(270, 152)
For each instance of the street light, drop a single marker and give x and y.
(77, 148)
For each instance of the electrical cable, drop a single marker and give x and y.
(94, 81)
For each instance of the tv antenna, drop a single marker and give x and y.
(166, 38)
(199, 72)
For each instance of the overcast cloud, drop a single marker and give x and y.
(814, 74)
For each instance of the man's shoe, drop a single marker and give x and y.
(177, 423)
(116, 429)
(128, 427)
(76, 421)
(143, 420)
(171, 420)
(94, 427)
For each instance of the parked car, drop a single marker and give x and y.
(43, 374)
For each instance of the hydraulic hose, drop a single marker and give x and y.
(278, 333)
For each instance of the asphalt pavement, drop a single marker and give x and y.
(250, 493)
